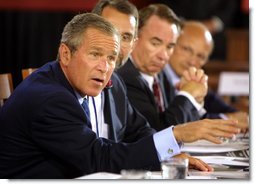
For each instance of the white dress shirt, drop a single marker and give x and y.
(164, 140)
(96, 108)
(96, 105)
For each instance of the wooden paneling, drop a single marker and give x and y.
(6, 87)
(237, 45)
(214, 68)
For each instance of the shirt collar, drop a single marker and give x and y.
(148, 78)
(80, 99)
(174, 77)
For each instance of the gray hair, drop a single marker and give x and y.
(74, 30)
(122, 6)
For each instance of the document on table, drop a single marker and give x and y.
(219, 174)
(204, 146)
(224, 160)
(101, 176)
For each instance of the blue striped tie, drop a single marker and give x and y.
(86, 107)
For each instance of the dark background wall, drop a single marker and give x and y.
(30, 30)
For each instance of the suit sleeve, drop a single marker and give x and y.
(214, 105)
(72, 148)
(181, 110)
(136, 126)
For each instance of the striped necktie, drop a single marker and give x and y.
(86, 107)
(158, 95)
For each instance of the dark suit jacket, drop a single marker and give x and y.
(178, 111)
(125, 122)
(44, 133)
(213, 104)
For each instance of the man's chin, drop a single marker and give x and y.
(118, 65)
(95, 93)
(120, 62)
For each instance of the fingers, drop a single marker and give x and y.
(204, 79)
(213, 139)
(192, 73)
(186, 75)
(199, 74)
(211, 130)
(214, 130)
(198, 164)
(243, 120)
(195, 74)
(244, 131)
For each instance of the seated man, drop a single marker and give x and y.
(193, 48)
(45, 129)
(147, 60)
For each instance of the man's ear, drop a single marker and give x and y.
(64, 54)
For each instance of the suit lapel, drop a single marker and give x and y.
(111, 118)
(168, 86)
(108, 109)
(141, 80)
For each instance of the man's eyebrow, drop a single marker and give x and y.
(156, 39)
(100, 49)
(127, 33)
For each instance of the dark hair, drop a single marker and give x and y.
(74, 30)
(122, 6)
(160, 10)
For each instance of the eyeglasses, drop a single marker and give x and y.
(188, 51)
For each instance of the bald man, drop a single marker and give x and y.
(193, 48)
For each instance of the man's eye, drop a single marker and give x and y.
(95, 54)
(155, 43)
(111, 58)
(201, 57)
(126, 38)
(186, 48)
(171, 46)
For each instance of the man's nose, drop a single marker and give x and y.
(103, 65)
(164, 55)
(193, 61)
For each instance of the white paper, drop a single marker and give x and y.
(221, 174)
(212, 149)
(224, 160)
(101, 176)
(203, 146)
(234, 83)
(200, 177)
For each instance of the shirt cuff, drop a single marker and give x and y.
(166, 144)
(223, 116)
(200, 107)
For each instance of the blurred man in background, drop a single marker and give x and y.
(193, 48)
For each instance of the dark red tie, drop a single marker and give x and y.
(158, 95)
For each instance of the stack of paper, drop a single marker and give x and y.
(203, 146)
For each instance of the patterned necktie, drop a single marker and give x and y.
(86, 107)
(158, 95)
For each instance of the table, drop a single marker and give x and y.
(226, 165)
